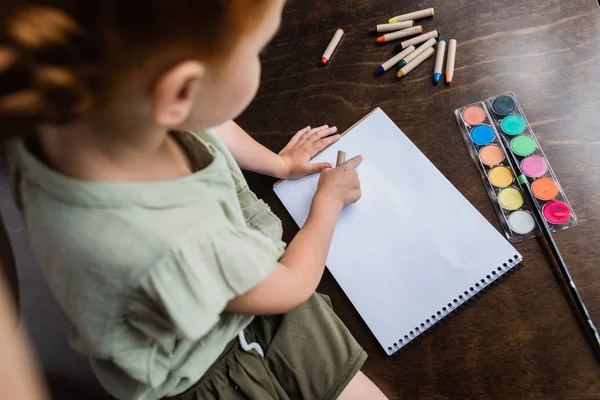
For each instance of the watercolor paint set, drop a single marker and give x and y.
(494, 127)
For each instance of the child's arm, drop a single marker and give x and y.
(291, 163)
(19, 376)
(297, 275)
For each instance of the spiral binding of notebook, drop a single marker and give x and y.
(456, 303)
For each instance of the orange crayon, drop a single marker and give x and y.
(450, 60)
(400, 34)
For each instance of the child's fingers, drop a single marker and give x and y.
(318, 167)
(323, 143)
(354, 161)
(299, 135)
(315, 131)
(323, 133)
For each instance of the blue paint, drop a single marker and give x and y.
(379, 70)
(436, 77)
(482, 135)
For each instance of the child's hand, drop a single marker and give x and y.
(305, 145)
(340, 185)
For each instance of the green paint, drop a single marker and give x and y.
(401, 64)
(523, 145)
(513, 125)
(522, 179)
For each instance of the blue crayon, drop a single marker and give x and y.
(392, 61)
(439, 61)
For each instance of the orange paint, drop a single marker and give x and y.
(381, 39)
(544, 188)
(491, 155)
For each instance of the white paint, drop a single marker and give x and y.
(521, 222)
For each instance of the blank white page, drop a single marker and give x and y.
(412, 245)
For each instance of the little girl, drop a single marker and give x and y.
(126, 165)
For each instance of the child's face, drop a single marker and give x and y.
(230, 85)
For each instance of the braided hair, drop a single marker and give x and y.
(59, 58)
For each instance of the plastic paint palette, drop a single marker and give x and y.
(493, 127)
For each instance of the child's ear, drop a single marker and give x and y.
(175, 92)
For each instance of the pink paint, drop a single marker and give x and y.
(556, 212)
(534, 166)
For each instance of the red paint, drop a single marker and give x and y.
(556, 212)
(324, 60)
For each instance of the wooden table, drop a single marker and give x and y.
(520, 339)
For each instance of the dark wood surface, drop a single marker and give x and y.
(519, 339)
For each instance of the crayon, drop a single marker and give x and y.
(415, 62)
(419, 39)
(341, 158)
(392, 61)
(428, 12)
(419, 50)
(381, 28)
(450, 60)
(332, 45)
(439, 61)
(400, 34)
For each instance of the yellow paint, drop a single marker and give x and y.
(510, 199)
(500, 176)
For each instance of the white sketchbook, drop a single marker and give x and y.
(413, 249)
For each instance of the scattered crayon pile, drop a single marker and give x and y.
(408, 56)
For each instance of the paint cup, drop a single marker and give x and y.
(510, 199)
(491, 155)
(523, 145)
(503, 105)
(544, 188)
(501, 176)
(556, 212)
(534, 166)
(521, 222)
(513, 125)
(473, 115)
(482, 135)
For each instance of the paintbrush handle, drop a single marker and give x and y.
(562, 265)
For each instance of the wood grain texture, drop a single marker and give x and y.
(520, 339)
